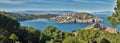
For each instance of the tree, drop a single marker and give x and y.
(113, 21)
(13, 37)
(52, 32)
(51, 29)
(71, 40)
(105, 40)
(115, 18)
(52, 41)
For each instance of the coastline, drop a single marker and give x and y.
(35, 20)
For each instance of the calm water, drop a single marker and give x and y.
(42, 24)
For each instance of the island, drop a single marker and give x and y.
(76, 18)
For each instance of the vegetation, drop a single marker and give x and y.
(23, 17)
(13, 37)
(12, 32)
(115, 18)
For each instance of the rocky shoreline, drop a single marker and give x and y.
(101, 27)
(76, 18)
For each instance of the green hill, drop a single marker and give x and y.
(23, 17)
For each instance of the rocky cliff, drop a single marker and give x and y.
(101, 27)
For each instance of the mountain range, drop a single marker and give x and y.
(43, 12)
(103, 12)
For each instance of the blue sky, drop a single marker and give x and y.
(74, 5)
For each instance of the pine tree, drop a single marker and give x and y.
(115, 18)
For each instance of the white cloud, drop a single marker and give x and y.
(11, 2)
(90, 1)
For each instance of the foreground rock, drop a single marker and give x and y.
(76, 17)
(101, 27)
(97, 26)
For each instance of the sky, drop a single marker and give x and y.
(71, 5)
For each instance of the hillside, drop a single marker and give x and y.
(23, 17)
(76, 17)
(12, 32)
(32, 16)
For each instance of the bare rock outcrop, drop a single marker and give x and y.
(101, 27)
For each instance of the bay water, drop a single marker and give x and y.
(42, 24)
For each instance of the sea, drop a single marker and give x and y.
(69, 27)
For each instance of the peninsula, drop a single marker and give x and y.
(76, 18)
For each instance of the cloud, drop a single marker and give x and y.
(11, 2)
(91, 1)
